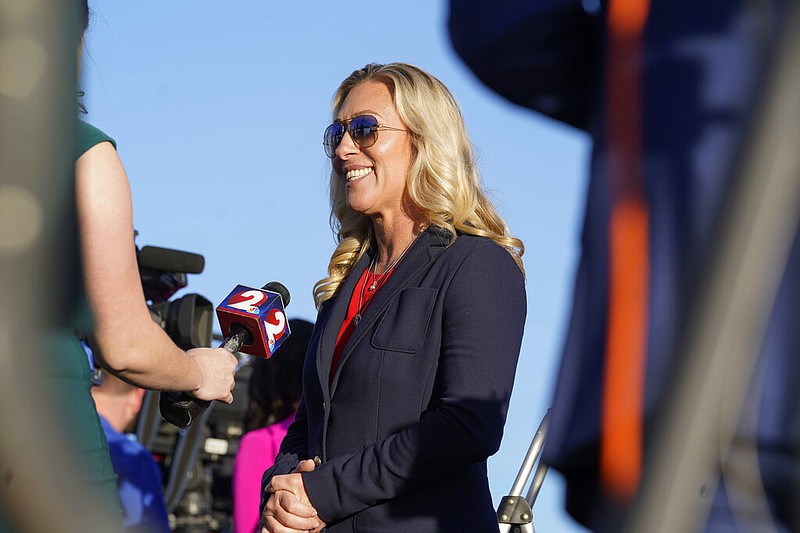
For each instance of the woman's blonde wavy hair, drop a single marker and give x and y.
(443, 181)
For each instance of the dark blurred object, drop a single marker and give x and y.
(509, 44)
(674, 95)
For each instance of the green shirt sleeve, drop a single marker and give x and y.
(89, 136)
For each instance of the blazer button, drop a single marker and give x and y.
(324, 406)
(317, 460)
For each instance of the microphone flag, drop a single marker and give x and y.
(261, 312)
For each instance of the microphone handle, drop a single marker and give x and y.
(234, 342)
(181, 409)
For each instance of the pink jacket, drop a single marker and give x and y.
(257, 451)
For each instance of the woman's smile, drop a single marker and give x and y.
(357, 173)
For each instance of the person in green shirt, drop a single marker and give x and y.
(124, 338)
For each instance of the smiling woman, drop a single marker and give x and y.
(402, 402)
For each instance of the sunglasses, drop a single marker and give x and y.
(363, 129)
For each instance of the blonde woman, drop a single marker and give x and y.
(410, 368)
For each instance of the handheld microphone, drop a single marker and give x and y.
(253, 321)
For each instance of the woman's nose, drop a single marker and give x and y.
(346, 147)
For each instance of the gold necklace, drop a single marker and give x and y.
(378, 278)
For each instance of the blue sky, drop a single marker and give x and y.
(218, 110)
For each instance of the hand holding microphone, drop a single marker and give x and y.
(254, 322)
(217, 367)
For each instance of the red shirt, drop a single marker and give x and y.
(361, 297)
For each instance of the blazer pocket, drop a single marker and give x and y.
(404, 325)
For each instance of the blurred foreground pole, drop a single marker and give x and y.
(731, 312)
(39, 489)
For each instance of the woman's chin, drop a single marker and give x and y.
(359, 205)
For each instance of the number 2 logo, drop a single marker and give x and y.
(274, 324)
(247, 301)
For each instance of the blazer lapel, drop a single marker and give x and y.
(334, 316)
(417, 260)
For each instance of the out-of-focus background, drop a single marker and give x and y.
(218, 110)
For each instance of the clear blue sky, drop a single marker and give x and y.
(218, 110)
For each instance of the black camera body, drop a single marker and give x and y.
(196, 463)
(163, 271)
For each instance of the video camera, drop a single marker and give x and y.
(163, 271)
(197, 463)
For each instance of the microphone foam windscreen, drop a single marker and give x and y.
(171, 260)
(280, 288)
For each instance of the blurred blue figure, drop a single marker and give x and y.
(138, 475)
(666, 89)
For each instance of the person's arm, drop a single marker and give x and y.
(126, 341)
(483, 323)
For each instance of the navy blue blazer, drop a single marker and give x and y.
(420, 396)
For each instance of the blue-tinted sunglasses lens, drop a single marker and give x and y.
(332, 137)
(362, 129)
